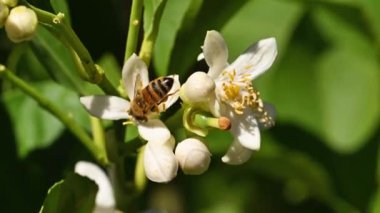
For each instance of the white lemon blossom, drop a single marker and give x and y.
(234, 97)
(105, 200)
(153, 130)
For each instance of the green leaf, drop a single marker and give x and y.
(56, 59)
(349, 92)
(152, 15)
(374, 206)
(303, 176)
(371, 9)
(212, 15)
(338, 27)
(111, 68)
(34, 127)
(261, 19)
(297, 102)
(171, 21)
(73, 194)
(61, 6)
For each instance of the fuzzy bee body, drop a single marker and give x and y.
(147, 99)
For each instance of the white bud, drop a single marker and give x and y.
(193, 156)
(160, 163)
(9, 3)
(21, 24)
(4, 12)
(197, 88)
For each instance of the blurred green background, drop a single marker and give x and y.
(323, 155)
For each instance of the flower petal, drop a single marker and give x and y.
(134, 66)
(215, 52)
(104, 198)
(174, 94)
(154, 130)
(246, 130)
(215, 106)
(237, 154)
(106, 107)
(256, 59)
(160, 164)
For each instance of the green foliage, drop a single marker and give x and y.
(152, 15)
(350, 110)
(202, 16)
(111, 68)
(324, 85)
(56, 59)
(172, 19)
(35, 128)
(73, 194)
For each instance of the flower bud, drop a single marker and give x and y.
(197, 88)
(21, 24)
(9, 3)
(193, 156)
(160, 163)
(4, 12)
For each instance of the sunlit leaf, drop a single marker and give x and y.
(262, 19)
(34, 127)
(340, 29)
(111, 68)
(375, 203)
(152, 15)
(212, 15)
(73, 194)
(293, 89)
(371, 9)
(349, 92)
(171, 21)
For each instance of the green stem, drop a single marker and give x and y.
(99, 136)
(58, 25)
(146, 50)
(140, 178)
(67, 120)
(134, 28)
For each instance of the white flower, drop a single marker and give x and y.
(105, 200)
(193, 156)
(160, 164)
(21, 24)
(114, 108)
(234, 96)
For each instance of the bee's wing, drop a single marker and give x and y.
(138, 86)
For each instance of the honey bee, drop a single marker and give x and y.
(147, 99)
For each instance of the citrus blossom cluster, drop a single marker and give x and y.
(225, 91)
